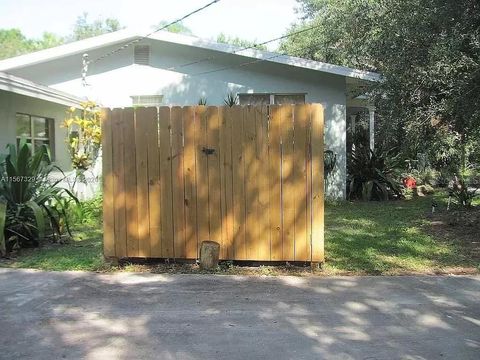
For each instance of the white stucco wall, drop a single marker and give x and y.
(113, 80)
(11, 103)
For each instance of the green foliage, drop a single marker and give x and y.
(464, 194)
(236, 41)
(87, 212)
(427, 51)
(84, 28)
(329, 162)
(178, 28)
(427, 176)
(3, 216)
(202, 101)
(14, 43)
(84, 135)
(373, 175)
(33, 201)
(231, 99)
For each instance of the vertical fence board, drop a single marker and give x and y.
(227, 182)
(154, 182)
(288, 189)
(119, 183)
(130, 182)
(202, 173)
(317, 183)
(191, 238)
(309, 183)
(262, 217)
(166, 182)
(213, 164)
(108, 181)
(176, 122)
(275, 204)
(142, 117)
(238, 184)
(251, 166)
(301, 116)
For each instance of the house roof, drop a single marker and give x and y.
(126, 35)
(25, 87)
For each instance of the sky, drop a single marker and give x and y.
(255, 20)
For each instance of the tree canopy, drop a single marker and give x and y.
(428, 53)
(84, 28)
(235, 40)
(178, 27)
(14, 43)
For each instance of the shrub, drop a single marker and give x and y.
(84, 135)
(463, 193)
(427, 176)
(373, 175)
(87, 212)
(33, 203)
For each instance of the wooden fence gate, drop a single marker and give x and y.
(248, 177)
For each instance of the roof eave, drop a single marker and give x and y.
(180, 39)
(28, 88)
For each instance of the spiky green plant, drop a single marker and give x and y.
(33, 200)
(202, 101)
(373, 175)
(231, 99)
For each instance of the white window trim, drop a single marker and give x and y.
(272, 95)
(32, 137)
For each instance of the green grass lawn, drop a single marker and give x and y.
(390, 238)
(361, 238)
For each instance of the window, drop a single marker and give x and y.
(147, 100)
(281, 99)
(36, 130)
(270, 99)
(254, 99)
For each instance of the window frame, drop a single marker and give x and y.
(51, 132)
(272, 96)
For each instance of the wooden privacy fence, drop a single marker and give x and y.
(248, 177)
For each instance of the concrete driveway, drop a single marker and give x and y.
(75, 315)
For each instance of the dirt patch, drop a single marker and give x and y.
(460, 227)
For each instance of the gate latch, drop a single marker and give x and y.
(208, 151)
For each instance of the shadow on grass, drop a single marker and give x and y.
(361, 238)
(389, 238)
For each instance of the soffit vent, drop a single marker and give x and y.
(147, 100)
(141, 55)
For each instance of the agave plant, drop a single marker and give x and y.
(231, 99)
(32, 200)
(373, 175)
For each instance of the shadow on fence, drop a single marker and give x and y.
(248, 177)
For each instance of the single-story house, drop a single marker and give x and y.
(172, 69)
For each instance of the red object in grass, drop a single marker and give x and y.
(410, 182)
